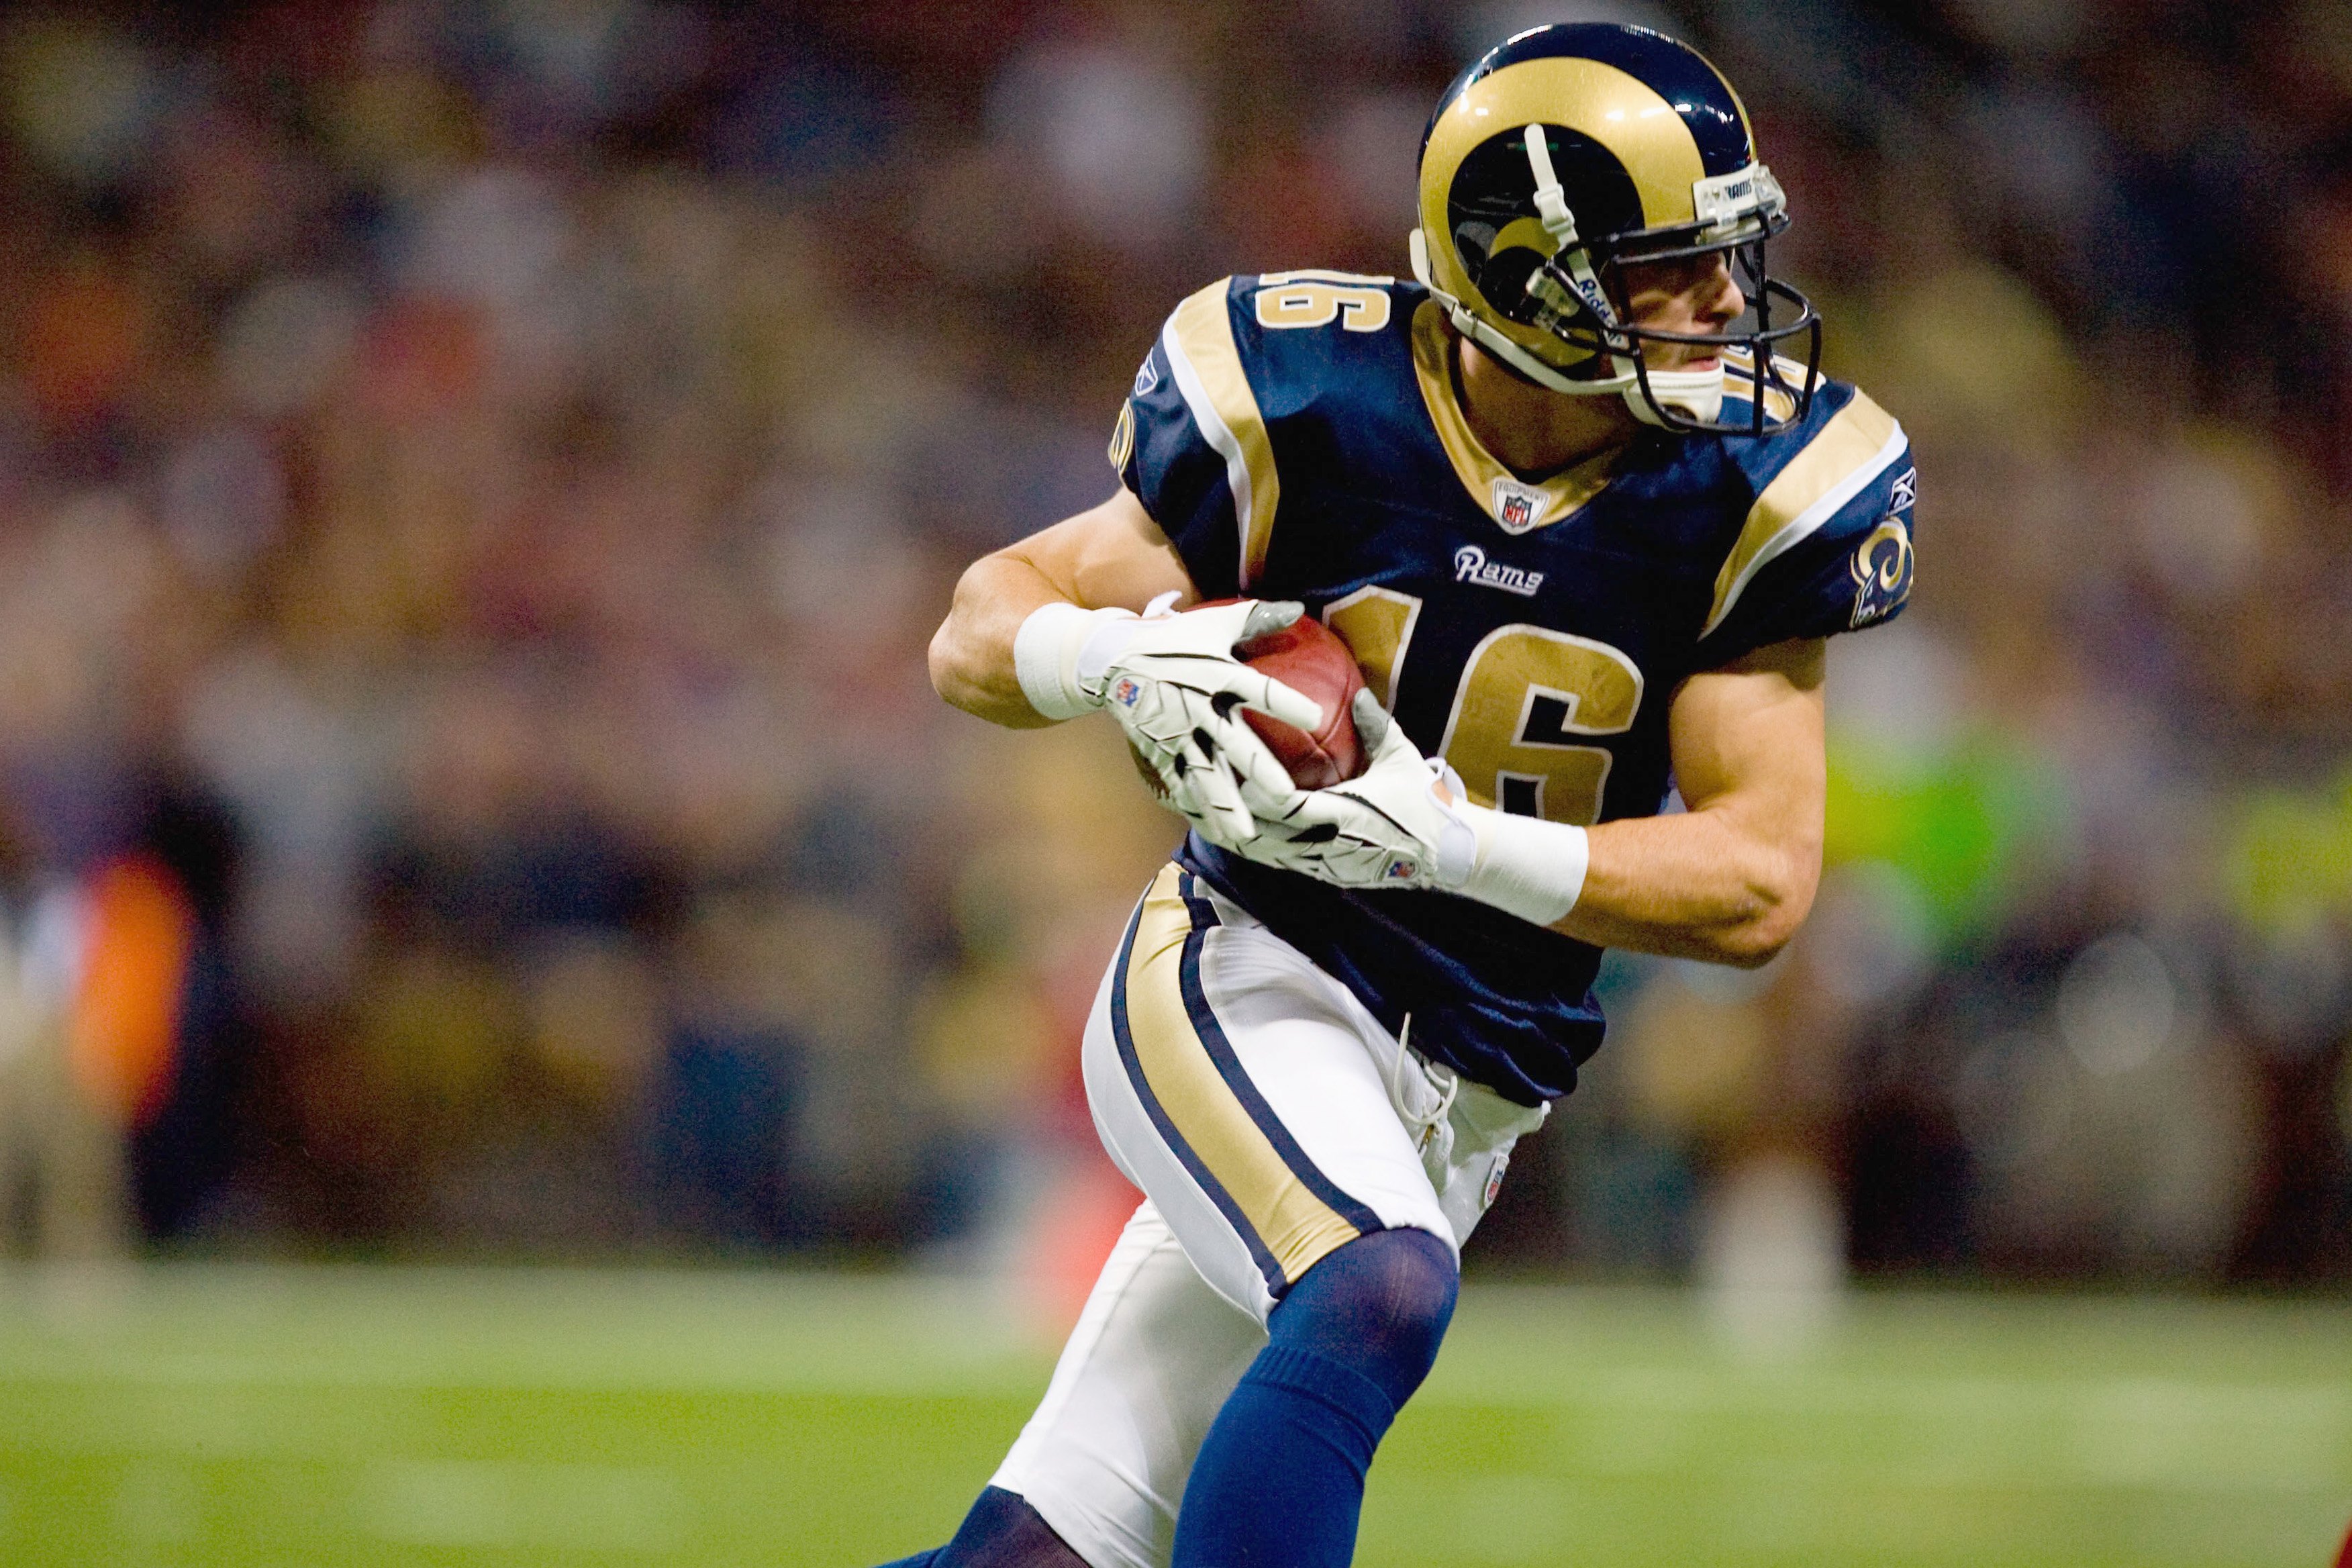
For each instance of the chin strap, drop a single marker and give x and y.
(1696, 393)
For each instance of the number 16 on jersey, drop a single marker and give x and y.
(1526, 698)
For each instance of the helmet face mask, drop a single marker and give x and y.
(1569, 154)
(1752, 339)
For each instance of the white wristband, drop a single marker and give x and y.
(1526, 866)
(1045, 656)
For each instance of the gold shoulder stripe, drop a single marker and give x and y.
(1481, 474)
(1854, 448)
(1200, 349)
(1324, 275)
(1741, 367)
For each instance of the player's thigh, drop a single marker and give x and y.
(1241, 1088)
(1105, 1458)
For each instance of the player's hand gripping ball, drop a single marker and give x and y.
(1400, 825)
(1308, 656)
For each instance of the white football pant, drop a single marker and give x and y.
(1269, 1119)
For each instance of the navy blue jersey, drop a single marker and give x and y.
(1300, 435)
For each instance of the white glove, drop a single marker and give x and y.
(1396, 825)
(1406, 822)
(1172, 683)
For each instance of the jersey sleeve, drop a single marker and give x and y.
(1826, 546)
(1192, 446)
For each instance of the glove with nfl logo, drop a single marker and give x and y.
(1172, 683)
(1406, 822)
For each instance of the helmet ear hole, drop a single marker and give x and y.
(1492, 193)
(1504, 281)
(1473, 241)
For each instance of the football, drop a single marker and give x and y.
(1308, 656)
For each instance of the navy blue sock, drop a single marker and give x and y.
(1280, 1478)
(1001, 1532)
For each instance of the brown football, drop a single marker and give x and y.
(1308, 656)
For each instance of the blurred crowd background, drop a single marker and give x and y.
(477, 480)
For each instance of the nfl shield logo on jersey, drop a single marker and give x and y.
(1516, 506)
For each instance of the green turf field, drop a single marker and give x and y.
(249, 1415)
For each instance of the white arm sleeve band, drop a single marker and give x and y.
(1526, 867)
(1046, 657)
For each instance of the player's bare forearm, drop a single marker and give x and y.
(1111, 555)
(1693, 885)
(972, 653)
(1732, 878)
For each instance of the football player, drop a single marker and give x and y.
(1585, 527)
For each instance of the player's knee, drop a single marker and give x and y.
(1415, 1282)
(1381, 1303)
